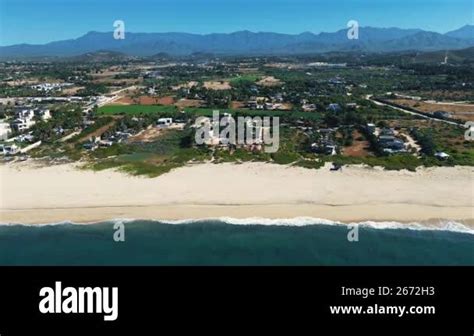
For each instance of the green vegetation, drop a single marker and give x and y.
(92, 89)
(135, 110)
(238, 155)
(448, 139)
(100, 122)
(151, 159)
(301, 87)
(244, 79)
(389, 162)
(191, 112)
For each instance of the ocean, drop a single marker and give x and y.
(235, 242)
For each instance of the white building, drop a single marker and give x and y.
(5, 130)
(164, 122)
(9, 149)
(254, 132)
(442, 155)
(25, 118)
(46, 87)
(45, 114)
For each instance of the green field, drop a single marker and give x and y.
(136, 109)
(245, 78)
(161, 110)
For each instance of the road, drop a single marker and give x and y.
(104, 100)
(369, 97)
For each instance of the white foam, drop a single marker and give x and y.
(442, 225)
(66, 222)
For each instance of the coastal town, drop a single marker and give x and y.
(202, 133)
(138, 114)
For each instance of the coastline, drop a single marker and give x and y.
(405, 214)
(53, 194)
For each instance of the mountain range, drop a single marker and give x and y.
(249, 43)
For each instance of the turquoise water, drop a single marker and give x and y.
(218, 243)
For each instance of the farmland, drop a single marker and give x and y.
(323, 111)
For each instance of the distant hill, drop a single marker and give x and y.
(161, 56)
(450, 56)
(466, 32)
(425, 41)
(247, 43)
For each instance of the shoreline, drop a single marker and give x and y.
(192, 212)
(54, 194)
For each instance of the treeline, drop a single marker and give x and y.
(62, 119)
(425, 140)
(92, 89)
(99, 122)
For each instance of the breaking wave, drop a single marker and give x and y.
(440, 225)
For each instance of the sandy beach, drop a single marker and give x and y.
(35, 194)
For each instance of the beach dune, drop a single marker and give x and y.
(36, 194)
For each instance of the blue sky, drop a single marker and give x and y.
(40, 21)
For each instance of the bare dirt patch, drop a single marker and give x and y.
(187, 85)
(182, 103)
(217, 85)
(456, 95)
(459, 111)
(358, 147)
(20, 82)
(167, 100)
(410, 141)
(286, 106)
(270, 81)
(282, 65)
(237, 104)
(72, 90)
(148, 135)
